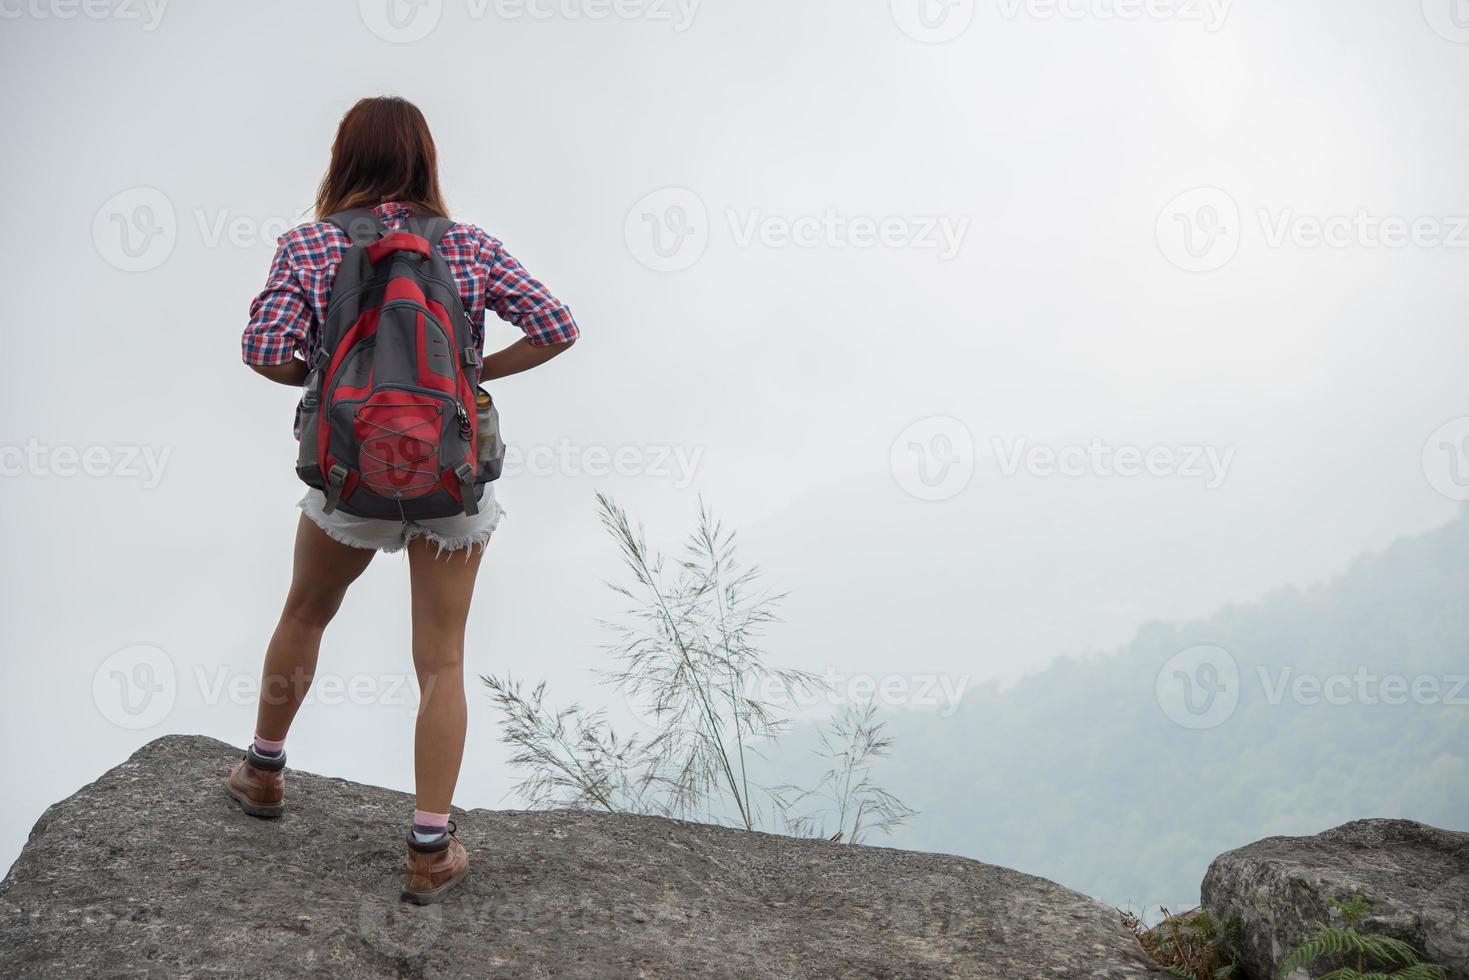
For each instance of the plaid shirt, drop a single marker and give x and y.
(285, 317)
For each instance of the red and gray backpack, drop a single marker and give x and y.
(390, 426)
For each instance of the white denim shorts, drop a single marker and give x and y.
(460, 532)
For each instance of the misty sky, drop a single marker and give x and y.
(902, 293)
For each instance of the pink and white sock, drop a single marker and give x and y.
(429, 827)
(268, 748)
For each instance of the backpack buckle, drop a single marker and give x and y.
(336, 477)
(467, 496)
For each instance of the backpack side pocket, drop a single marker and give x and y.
(308, 412)
(489, 447)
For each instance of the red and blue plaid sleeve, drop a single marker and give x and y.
(279, 317)
(518, 298)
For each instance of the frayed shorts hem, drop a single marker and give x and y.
(462, 532)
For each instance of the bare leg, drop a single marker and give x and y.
(442, 588)
(322, 571)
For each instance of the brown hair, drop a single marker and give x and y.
(383, 152)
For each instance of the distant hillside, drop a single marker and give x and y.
(1078, 774)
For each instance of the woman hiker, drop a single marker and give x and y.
(384, 176)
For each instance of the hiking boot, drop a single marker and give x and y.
(434, 868)
(258, 784)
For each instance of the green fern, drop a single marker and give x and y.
(1361, 951)
(1191, 946)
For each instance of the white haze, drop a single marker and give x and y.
(786, 372)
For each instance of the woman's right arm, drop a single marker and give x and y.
(519, 356)
(279, 319)
(517, 297)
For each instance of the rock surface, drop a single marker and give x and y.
(152, 871)
(1415, 876)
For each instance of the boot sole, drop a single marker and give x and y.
(435, 896)
(266, 811)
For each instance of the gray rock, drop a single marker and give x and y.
(1415, 876)
(151, 871)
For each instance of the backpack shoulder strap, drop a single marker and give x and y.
(362, 225)
(431, 229)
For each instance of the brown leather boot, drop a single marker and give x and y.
(258, 784)
(435, 868)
